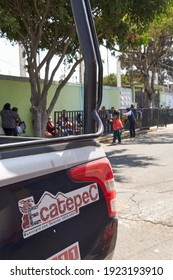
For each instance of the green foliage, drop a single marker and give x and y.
(38, 23)
(116, 20)
(151, 46)
(150, 53)
(125, 81)
(110, 80)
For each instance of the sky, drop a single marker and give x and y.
(9, 58)
(9, 61)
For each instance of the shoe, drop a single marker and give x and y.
(113, 143)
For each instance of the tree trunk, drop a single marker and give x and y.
(40, 118)
(148, 90)
(147, 99)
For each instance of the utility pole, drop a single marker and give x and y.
(108, 62)
(118, 73)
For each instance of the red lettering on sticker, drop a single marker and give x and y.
(77, 202)
(91, 192)
(70, 204)
(43, 214)
(53, 210)
(26, 221)
(61, 206)
(85, 197)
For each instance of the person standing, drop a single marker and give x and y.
(117, 126)
(132, 121)
(104, 115)
(9, 119)
(15, 109)
(133, 109)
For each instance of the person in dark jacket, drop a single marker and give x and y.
(133, 109)
(132, 121)
(18, 121)
(9, 119)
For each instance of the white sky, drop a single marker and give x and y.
(9, 61)
(9, 58)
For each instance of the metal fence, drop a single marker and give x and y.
(154, 117)
(71, 122)
(68, 123)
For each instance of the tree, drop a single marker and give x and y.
(149, 52)
(49, 25)
(111, 80)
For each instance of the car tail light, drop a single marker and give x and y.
(99, 171)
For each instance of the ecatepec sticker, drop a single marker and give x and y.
(51, 210)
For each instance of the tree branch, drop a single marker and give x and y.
(62, 83)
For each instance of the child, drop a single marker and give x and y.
(117, 126)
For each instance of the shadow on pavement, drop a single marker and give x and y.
(121, 159)
(162, 138)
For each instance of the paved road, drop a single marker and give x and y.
(143, 169)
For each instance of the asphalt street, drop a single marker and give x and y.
(143, 169)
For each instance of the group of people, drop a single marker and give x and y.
(64, 126)
(118, 126)
(11, 122)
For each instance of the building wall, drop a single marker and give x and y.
(111, 97)
(126, 98)
(16, 91)
(166, 99)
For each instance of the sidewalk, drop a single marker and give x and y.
(105, 138)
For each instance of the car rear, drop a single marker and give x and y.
(58, 205)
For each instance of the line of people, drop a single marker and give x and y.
(64, 127)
